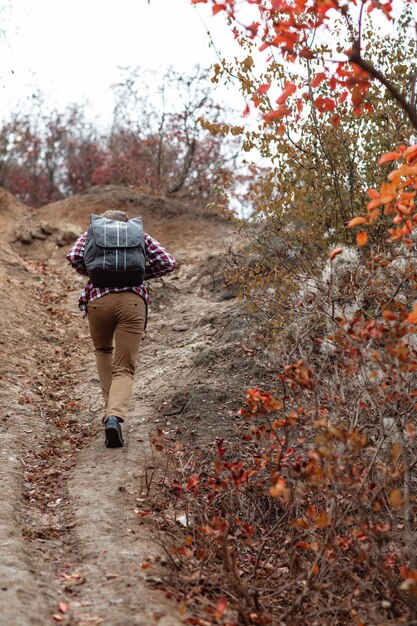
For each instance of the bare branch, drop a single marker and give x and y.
(367, 66)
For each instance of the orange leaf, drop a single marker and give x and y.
(410, 154)
(357, 96)
(361, 239)
(395, 498)
(389, 156)
(374, 203)
(412, 318)
(63, 607)
(221, 607)
(395, 452)
(388, 315)
(322, 520)
(264, 46)
(335, 252)
(356, 221)
(324, 104)
(278, 491)
(263, 88)
(318, 78)
(253, 29)
(408, 574)
(218, 7)
(410, 430)
(289, 89)
(246, 111)
(192, 481)
(279, 488)
(374, 194)
(277, 114)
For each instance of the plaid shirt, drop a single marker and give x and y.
(158, 263)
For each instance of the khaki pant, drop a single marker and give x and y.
(120, 317)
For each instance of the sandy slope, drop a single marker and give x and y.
(72, 528)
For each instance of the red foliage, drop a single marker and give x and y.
(47, 157)
(309, 518)
(296, 31)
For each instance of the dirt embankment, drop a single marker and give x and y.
(75, 544)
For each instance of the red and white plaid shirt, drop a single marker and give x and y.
(158, 263)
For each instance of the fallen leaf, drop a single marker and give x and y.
(335, 252)
(63, 606)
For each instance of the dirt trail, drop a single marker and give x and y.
(76, 546)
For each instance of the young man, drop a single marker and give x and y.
(118, 314)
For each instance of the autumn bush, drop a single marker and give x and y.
(308, 515)
(153, 142)
(321, 123)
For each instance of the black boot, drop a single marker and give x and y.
(113, 431)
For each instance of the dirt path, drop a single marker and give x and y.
(76, 545)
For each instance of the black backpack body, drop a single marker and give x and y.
(114, 252)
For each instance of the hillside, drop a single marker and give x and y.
(75, 545)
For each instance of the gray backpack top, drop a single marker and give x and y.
(115, 252)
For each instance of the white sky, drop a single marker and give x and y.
(71, 49)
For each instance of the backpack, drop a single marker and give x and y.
(114, 252)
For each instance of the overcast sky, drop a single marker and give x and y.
(71, 49)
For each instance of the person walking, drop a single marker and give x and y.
(117, 315)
